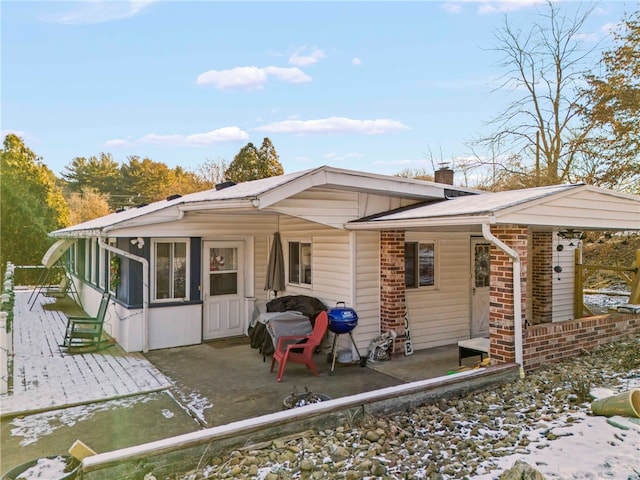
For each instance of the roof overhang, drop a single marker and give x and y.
(564, 206)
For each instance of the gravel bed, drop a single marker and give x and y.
(453, 439)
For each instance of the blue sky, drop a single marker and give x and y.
(379, 86)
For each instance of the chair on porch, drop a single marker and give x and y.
(86, 331)
(58, 291)
(302, 350)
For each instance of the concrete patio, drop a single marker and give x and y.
(136, 398)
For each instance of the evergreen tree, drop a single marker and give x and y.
(612, 105)
(252, 164)
(31, 204)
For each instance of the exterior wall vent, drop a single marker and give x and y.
(223, 185)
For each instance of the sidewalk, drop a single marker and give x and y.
(45, 377)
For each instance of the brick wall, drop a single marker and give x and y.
(501, 316)
(557, 341)
(542, 277)
(392, 287)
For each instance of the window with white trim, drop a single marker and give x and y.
(95, 264)
(113, 269)
(419, 264)
(300, 263)
(102, 256)
(170, 270)
(73, 255)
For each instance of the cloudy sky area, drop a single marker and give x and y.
(379, 86)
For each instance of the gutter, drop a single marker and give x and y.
(517, 291)
(416, 223)
(145, 288)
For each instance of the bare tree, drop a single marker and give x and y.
(212, 171)
(538, 137)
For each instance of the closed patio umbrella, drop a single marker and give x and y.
(275, 268)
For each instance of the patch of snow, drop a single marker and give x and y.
(32, 427)
(589, 449)
(194, 403)
(167, 413)
(46, 468)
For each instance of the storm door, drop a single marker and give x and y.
(222, 290)
(480, 276)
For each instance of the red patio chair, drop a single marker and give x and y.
(300, 352)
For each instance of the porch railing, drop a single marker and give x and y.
(629, 275)
(7, 301)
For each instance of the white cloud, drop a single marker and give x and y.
(221, 135)
(100, 11)
(117, 143)
(252, 78)
(356, 61)
(452, 7)
(334, 125)
(300, 60)
(486, 7)
(289, 75)
(504, 6)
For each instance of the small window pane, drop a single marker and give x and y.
(410, 265)
(294, 262)
(223, 284)
(482, 263)
(180, 270)
(163, 278)
(305, 254)
(223, 271)
(426, 256)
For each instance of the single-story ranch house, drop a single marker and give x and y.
(191, 268)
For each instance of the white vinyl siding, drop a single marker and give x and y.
(367, 288)
(563, 282)
(441, 316)
(602, 211)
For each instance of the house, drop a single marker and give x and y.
(190, 269)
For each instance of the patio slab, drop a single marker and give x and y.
(112, 399)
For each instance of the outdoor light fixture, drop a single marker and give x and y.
(138, 241)
(571, 234)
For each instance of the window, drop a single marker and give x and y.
(73, 255)
(170, 270)
(101, 267)
(95, 252)
(88, 259)
(300, 263)
(113, 269)
(419, 264)
(482, 265)
(223, 271)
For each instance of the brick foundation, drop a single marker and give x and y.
(392, 286)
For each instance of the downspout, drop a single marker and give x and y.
(145, 288)
(517, 291)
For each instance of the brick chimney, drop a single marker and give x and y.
(444, 175)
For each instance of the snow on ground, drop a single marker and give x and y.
(32, 427)
(590, 448)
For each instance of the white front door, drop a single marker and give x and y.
(223, 289)
(480, 275)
